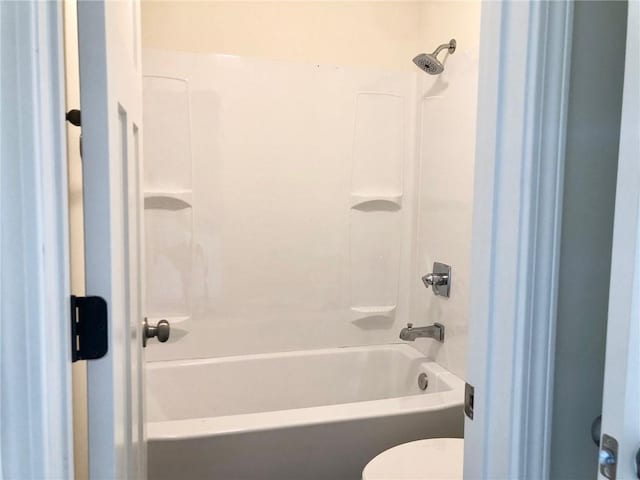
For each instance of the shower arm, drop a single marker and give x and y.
(451, 46)
(440, 48)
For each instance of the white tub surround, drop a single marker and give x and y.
(228, 418)
(278, 202)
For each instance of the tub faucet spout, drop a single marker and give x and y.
(435, 331)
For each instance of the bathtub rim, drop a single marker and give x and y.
(451, 397)
(403, 348)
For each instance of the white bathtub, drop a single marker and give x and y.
(319, 414)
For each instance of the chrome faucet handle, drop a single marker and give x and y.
(409, 325)
(439, 279)
(435, 279)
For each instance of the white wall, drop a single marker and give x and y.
(446, 148)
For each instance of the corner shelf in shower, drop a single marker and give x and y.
(168, 199)
(375, 310)
(362, 201)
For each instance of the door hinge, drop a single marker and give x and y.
(89, 333)
(468, 400)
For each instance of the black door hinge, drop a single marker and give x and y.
(469, 397)
(89, 333)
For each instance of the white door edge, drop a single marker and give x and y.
(111, 103)
(35, 357)
(621, 396)
(522, 104)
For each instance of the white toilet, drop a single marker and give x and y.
(433, 459)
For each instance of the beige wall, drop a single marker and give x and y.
(76, 233)
(378, 34)
(441, 20)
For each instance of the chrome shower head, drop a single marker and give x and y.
(429, 61)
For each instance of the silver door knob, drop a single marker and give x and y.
(161, 330)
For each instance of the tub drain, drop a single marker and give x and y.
(423, 381)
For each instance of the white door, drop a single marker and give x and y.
(621, 402)
(111, 104)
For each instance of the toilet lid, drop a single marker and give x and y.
(433, 459)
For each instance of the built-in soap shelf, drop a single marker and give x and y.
(369, 201)
(168, 199)
(374, 310)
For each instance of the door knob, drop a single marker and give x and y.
(161, 330)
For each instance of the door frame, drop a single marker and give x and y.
(525, 54)
(35, 353)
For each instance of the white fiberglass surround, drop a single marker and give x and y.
(280, 202)
(324, 412)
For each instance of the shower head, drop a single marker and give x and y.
(429, 61)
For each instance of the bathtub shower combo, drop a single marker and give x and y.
(281, 215)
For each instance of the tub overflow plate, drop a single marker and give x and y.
(423, 381)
